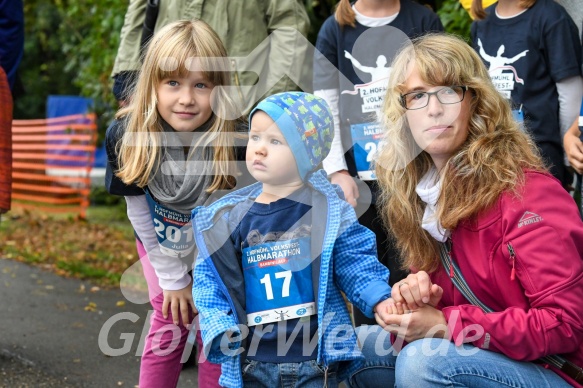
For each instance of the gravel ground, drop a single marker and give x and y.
(58, 332)
(18, 372)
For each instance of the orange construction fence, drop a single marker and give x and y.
(51, 161)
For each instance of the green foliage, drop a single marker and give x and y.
(70, 46)
(42, 67)
(318, 11)
(100, 196)
(455, 19)
(89, 37)
(106, 208)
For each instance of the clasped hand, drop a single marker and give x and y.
(411, 311)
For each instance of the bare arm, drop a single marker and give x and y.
(574, 147)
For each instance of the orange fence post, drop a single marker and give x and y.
(51, 161)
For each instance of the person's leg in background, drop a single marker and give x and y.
(5, 143)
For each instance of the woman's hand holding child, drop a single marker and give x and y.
(416, 296)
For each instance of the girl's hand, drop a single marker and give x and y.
(425, 322)
(416, 290)
(347, 184)
(179, 300)
(574, 147)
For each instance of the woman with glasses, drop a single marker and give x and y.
(466, 195)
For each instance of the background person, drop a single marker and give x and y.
(460, 171)
(381, 27)
(574, 147)
(11, 50)
(572, 139)
(241, 26)
(467, 4)
(545, 84)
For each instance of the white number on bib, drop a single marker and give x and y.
(266, 280)
(172, 233)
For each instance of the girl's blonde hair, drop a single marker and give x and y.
(490, 162)
(478, 13)
(173, 50)
(344, 14)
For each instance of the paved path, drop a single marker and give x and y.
(50, 332)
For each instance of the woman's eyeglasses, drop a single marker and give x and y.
(446, 95)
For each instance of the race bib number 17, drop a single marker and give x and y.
(278, 281)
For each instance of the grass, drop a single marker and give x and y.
(99, 248)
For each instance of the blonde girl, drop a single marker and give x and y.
(170, 149)
(459, 173)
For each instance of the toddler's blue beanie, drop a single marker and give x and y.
(306, 123)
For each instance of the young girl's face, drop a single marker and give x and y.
(184, 102)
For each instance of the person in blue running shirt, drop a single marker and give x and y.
(533, 54)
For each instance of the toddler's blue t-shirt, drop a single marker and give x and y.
(274, 243)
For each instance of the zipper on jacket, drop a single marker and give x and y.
(320, 355)
(513, 258)
(451, 273)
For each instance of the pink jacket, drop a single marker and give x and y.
(523, 258)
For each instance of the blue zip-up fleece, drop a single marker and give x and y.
(346, 261)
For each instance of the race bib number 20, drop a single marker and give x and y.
(367, 143)
(173, 229)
